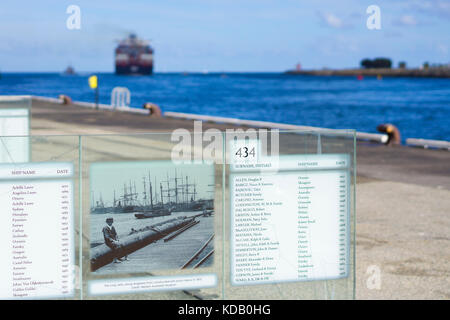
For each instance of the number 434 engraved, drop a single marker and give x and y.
(245, 151)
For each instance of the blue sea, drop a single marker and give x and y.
(420, 108)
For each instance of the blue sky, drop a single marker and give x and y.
(223, 35)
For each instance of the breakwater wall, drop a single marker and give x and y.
(411, 73)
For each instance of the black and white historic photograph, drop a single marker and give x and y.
(151, 215)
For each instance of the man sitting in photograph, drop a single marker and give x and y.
(112, 240)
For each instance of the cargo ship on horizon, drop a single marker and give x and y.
(134, 56)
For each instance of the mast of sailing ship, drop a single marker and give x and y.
(162, 200)
(144, 193)
(176, 190)
(195, 190)
(150, 191)
(168, 188)
(125, 202)
(187, 191)
(131, 194)
(156, 190)
(179, 191)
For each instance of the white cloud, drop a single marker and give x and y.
(439, 8)
(331, 20)
(442, 49)
(406, 20)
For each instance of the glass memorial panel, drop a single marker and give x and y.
(15, 121)
(39, 221)
(211, 215)
(151, 217)
(290, 215)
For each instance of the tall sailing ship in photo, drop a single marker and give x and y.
(158, 198)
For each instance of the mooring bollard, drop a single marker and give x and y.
(392, 132)
(155, 110)
(65, 99)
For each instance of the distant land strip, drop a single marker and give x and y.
(412, 73)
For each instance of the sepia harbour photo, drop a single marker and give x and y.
(151, 215)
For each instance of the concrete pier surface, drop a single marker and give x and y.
(172, 254)
(403, 202)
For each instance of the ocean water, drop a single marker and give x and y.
(420, 108)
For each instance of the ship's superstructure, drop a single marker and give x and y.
(134, 56)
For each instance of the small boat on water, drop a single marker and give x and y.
(70, 71)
